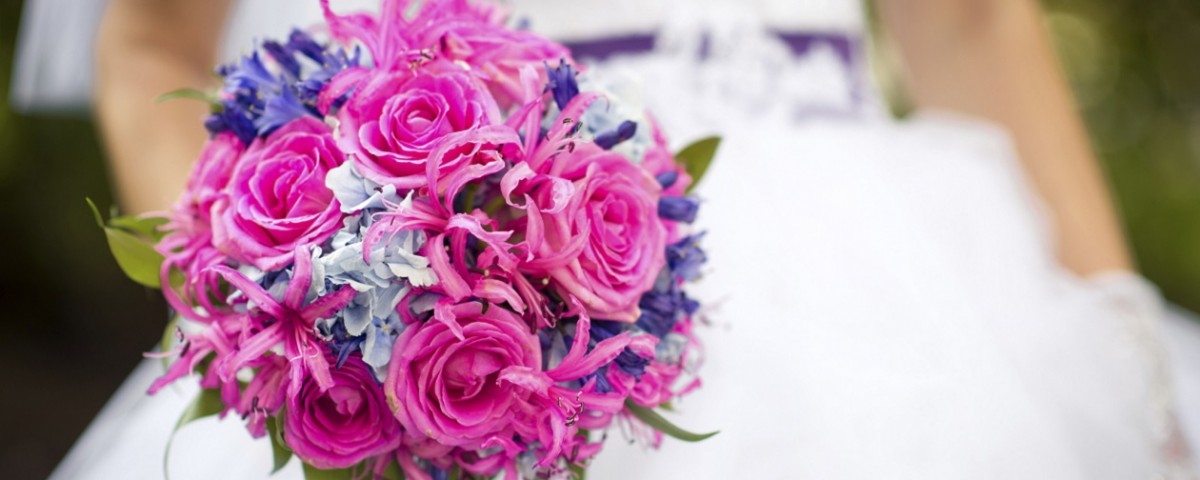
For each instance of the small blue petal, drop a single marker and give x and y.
(280, 110)
(342, 344)
(632, 363)
(656, 323)
(232, 119)
(283, 56)
(685, 258)
(250, 74)
(602, 384)
(301, 42)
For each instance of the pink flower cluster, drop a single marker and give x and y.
(437, 265)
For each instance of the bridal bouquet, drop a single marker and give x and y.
(430, 247)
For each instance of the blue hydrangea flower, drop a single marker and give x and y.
(387, 274)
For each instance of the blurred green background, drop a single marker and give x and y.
(73, 327)
(1135, 66)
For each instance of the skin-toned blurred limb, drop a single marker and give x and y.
(146, 48)
(994, 59)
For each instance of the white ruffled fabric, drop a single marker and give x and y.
(883, 297)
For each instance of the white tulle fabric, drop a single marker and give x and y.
(883, 301)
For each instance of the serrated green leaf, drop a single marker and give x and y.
(191, 94)
(279, 450)
(697, 157)
(657, 422)
(137, 259)
(206, 404)
(314, 473)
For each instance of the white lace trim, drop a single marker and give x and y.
(1141, 307)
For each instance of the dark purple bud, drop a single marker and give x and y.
(561, 82)
(679, 209)
(611, 138)
(666, 179)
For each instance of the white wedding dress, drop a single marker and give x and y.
(883, 296)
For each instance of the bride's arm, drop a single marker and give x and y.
(146, 48)
(993, 58)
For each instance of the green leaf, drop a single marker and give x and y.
(393, 472)
(314, 473)
(697, 157)
(135, 255)
(175, 278)
(579, 472)
(657, 422)
(191, 94)
(206, 404)
(279, 450)
(168, 338)
(95, 212)
(145, 226)
(137, 259)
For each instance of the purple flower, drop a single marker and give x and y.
(685, 257)
(257, 101)
(280, 110)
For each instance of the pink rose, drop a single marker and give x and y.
(395, 120)
(343, 425)
(614, 213)
(443, 380)
(210, 175)
(277, 197)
